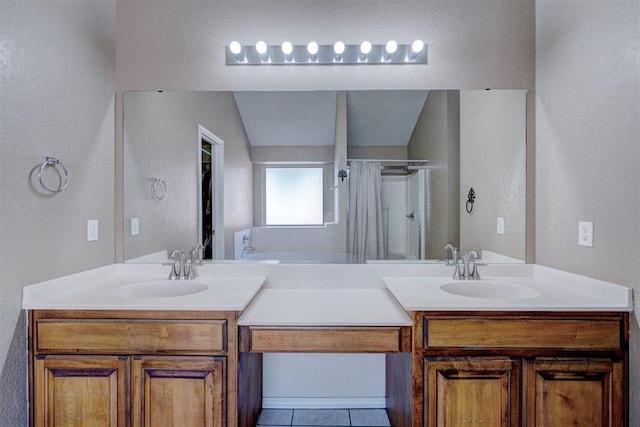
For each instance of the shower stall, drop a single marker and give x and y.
(403, 211)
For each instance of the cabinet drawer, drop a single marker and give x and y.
(325, 340)
(525, 333)
(130, 336)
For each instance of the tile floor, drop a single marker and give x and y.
(324, 417)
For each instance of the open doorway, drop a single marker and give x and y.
(211, 199)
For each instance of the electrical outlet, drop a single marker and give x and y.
(585, 233)
(500, 225)
(92, 230)
(135, 230)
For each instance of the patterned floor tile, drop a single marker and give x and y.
(275, 417)
(321, 417)
(369, 418)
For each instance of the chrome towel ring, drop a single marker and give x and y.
(52, 162)
(158, 189)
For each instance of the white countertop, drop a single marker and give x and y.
(94, 290)
(551, 290)
(327, 294)
(324, 307)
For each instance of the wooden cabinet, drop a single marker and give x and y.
(81, 390)
(178, 391)
(520, 369)
(113, 368)
(472, 391)
(575, 392)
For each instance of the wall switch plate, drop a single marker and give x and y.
(585, 233)
(135, 230)
(92, 230)
(500, 225)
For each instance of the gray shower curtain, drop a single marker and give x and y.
(365, 223)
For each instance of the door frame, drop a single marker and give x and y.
(217, 189)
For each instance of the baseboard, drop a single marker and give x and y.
(322, 402)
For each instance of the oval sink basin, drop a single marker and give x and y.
(488, 289)
(160, 289)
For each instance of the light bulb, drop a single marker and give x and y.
(261, 47)
(417, 46)
(287, 48)
(365, 47)
(235, 47)
(312, 48)
(391, 46)
(338, 48)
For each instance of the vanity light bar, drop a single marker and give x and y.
(328, 54)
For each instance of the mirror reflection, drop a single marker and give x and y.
(325, 176)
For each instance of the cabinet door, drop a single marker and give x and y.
(178, 391)
(576, 393)
(471, 392)
(80, 390)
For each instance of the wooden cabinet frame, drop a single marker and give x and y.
(531, 352)
(589, 338)
(204, 343)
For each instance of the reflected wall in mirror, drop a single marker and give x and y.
(435, 145)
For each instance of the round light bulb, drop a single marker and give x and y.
(312, 48)
(365, 47)
(287, 48)
(391, 46)
(261, 47)
(338, 48)
(235, 47)
(417, 46)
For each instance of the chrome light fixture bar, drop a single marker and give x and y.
(339, 53)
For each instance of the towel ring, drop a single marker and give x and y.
(471, 199)
(64, 174)
(158, 189)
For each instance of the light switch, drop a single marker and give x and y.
(135, 230)
(500, 225)
(92, 230)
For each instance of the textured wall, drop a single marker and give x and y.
(57, 65)
(161, 139)
(492, 161)
(180, 44)
(588, 150)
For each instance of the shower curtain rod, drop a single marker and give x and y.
(388, 160)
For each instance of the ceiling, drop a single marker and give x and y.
(308, 118)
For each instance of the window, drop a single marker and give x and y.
(294, 196)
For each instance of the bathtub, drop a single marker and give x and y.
(301, 257)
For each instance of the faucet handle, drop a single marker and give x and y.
(196, 254)
(176, 265)
(454, 254)
(190, 271)
(467, 260)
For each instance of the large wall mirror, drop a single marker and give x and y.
(257, 176)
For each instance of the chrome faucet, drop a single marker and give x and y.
(183, 268)
(178, 265)
(470, 266)
(455, 255)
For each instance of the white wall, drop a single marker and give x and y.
(161, 139)
(493, 163)
(57, 68)
(180, 45)
(588, 150)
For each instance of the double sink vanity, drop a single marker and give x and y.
(122, 345)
